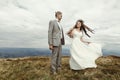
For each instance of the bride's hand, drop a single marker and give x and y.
(88, 42)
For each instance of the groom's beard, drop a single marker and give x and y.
(59, 19)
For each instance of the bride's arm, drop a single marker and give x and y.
(70, 33)
(81, 38)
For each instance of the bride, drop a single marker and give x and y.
(83, 53)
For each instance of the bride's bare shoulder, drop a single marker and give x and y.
(71, 31)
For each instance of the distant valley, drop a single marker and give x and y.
(23, 52)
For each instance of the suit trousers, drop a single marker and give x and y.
(56, 58)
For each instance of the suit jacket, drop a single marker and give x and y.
(54, 34)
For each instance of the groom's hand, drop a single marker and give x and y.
(51, 47)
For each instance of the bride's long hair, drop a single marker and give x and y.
(82, 28)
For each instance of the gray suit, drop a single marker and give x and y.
(54, 38)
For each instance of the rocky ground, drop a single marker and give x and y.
(37, 68)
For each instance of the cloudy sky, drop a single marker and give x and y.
(24, 23)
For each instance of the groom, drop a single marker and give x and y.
(55, 41)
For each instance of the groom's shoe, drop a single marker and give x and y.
(59, 68)
(53, 73)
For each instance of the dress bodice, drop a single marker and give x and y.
(77, 34)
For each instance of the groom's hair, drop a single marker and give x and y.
(57, 13)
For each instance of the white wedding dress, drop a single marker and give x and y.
(83, 55)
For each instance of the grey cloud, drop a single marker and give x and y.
(24, 23)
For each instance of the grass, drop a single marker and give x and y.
(38, 68)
